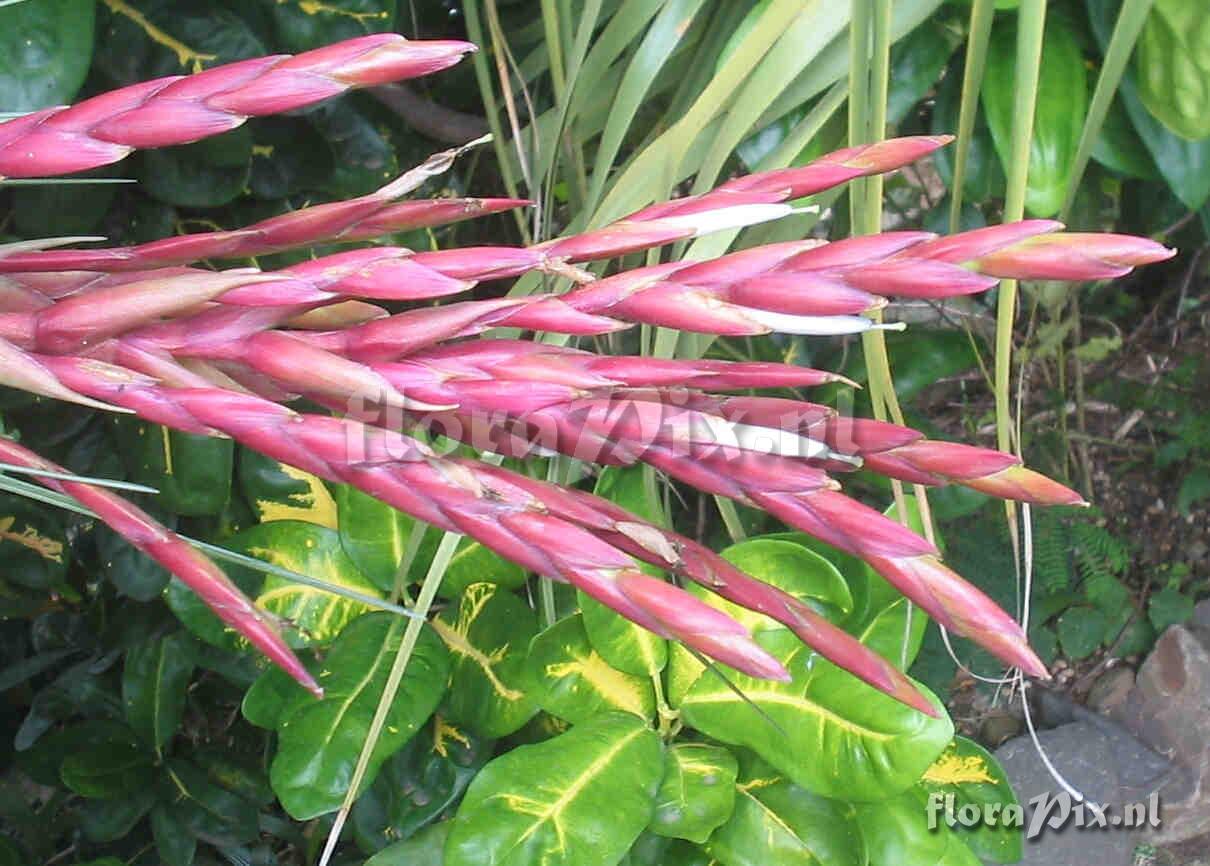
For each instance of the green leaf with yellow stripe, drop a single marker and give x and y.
(582, 797)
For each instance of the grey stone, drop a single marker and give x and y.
(1105, 764)
(1169, 709)
(1111, 689)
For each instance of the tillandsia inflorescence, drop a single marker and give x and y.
(140, 329)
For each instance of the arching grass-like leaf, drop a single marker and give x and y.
(589, 790)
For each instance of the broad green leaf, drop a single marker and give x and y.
(1173, 67)
(426, 848)
(1062, 103)
(488, 635)
(209, 173)
(1119, 147)
(626, 646)
(419, 784)
(897, 831)
(984, 177)
(652, 850)
(132, 572)
(302, 26)
(45, 50)
(154, 680)
(825, 730)
(1184, 164)
(571, 680)
(110, 820)
(375, 535)
(114, 768)
(272, 694)
(207, 809)
(60, 209)
(365, 158)
(235, 773)
(319, 741)
(315, 617)
(917, 61)
(33, 543)
(288, 157)
(776, 821)
(44, 759)
(174, 843)
(192, 473)
(971, 774)
(1081, 630)
(697, 793)
(474, 563)
(782, 562)
(583, 797)
(280, 492)
(1167, 607)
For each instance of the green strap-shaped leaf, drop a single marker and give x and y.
(154, 680)
(583, 797)
(626, 646)
(971, 774)
(775, 821)
(825, 730)
(488, 635)
(697, 793)
(571, 680)
(45, 50)
(319, 741)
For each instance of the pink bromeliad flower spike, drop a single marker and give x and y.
(182, 109)
(176, 555)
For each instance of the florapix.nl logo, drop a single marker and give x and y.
(1049, 811)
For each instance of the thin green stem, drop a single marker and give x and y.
(982, 12)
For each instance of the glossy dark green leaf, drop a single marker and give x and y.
(110, 820)
(970, 774)
(303, 26)
(1172, 63)
(116, 768)
(474, 563)
(488, 635)
(783, 563)
(375, 535)
(171, 37)
(426, 848)
(133, 573)
(583, 797)
(1062, 104)
(174, 843)
(697, 793)
(288, 157)
(45, 49)
(918, 60)
(273, 693)
(626, 646)
(154, 680)
(419, 784)
(825, 730)
(192, 473)
(42, 761)
(897, 831)
(319, 740)
(571, 680)
(984, 178)
(1119, 147)
(60, 209)
(315, 617)
(365, 158)
(276, 491)
(206, 808)
(33, 543)
(1184, 164)
(207, 174)
(776, 821)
